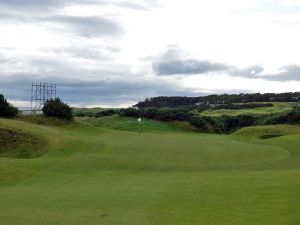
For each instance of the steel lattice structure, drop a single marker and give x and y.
(40, 94)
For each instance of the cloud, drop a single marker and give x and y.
(174, 61)
(189, 66)
(94, 52)
(287, 73)
(50, 12)
(249, 72)
(88, 26)
(45, 5)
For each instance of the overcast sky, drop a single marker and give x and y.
(117, 52)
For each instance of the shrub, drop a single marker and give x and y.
(6, 109)
(294, 116)
(272, 119)
(130, 112)
(206, 123)
(80, 114)
(246, 120)
(108, 112)
(229, 123)
(56, 108)
(199, 122)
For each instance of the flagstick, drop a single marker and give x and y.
(139, 122)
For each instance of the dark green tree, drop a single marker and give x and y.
(56, 108)
(6, 109)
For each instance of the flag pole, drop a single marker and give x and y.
(139, 122)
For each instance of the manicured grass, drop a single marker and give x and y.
(277, 107)
(102, 172)
(131, 124)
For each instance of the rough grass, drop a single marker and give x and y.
(100, 173)
(18, 144)
(277, 107)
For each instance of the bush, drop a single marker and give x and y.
(230, 123)
(130, 112)
(246, 120)
(293, 117)
(6, 109)
(56, 108)
(108, 112)
(207, 123)
(80, 114)
(272, 119)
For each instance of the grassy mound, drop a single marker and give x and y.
(267, 131)
(17, 144)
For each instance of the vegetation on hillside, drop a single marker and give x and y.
(206, 123)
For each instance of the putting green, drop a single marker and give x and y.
(109, 175)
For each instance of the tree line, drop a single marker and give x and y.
(173, 102)
(52, 108)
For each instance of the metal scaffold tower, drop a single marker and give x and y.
(40, 94)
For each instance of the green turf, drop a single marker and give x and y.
(277, 107)
(108, 175)
(130, 124)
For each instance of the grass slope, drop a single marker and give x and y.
(106, 175)
(277, 107)
(17, 144)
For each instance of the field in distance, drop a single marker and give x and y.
(100, 171)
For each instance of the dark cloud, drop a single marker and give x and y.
(174, 62)
(190, 66)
